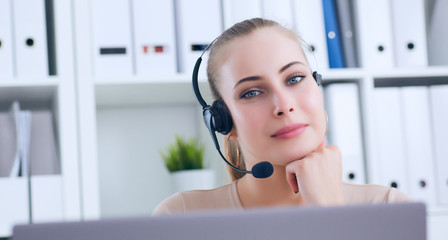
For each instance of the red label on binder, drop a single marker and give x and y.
(158, 49)
(145, 49)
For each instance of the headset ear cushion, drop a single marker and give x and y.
(222, 119)
(317, 77)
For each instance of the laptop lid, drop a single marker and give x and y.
(392, 221)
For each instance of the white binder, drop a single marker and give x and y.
(111, 28)
(24, 143)
(236, 11)
(439, 113)
(46, 198)
(345, 130)
(14, 207)
(6, 46)
(31, 55)
(279, 11)
(14, 114)
(408, 17)
(375, 33)
(196, 28)
(313, 32)
(22, 127)
(155, 49)
(418, 141)
(389, 138)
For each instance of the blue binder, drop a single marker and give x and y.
(335, 53)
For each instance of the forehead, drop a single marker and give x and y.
(263, 50)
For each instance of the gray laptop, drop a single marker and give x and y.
(394, 221)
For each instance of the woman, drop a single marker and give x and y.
(259, 69)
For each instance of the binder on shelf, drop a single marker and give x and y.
(43, 148)
(46, 198)
(334, 44)
(154, 40)
(111, 28)
(196, 29)
(418, 142)
(6, 46)
(236, 11)
(312, 32)
(14, 113)
(14, 207)
(31, 54)
(374, 33)
(8, 144)
(24, 144)
(409, 28)
(389, 138)
(348, 32)
(439, 116)
(438, 34)
(279, 11)
(345, 129)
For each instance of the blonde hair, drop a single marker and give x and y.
(232, 149)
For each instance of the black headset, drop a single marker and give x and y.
(217, 118)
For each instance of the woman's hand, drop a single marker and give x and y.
(318, 176)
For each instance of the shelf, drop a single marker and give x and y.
(356, 73)
(31, 82)
(148, 93)
(437, 211)
(415, 72)
(123, 80)
(342, 74)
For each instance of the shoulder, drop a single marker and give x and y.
(371, 193)
(171, 205)
(221, 197)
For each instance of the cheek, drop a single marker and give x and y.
(249, 125)
(248, 118)
(312, 103)
(313, 99)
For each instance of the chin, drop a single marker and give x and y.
(292, 153)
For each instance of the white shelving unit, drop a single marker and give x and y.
(55, 93)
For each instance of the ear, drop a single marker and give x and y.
(232, 134)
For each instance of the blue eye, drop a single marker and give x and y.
(295, 79)
(250, 94)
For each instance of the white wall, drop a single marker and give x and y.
(133, 178)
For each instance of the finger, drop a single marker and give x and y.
(292, 181)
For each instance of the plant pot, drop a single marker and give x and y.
(198, 179)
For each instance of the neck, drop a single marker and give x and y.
(271, 191)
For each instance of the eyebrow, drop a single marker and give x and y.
(289, 65)
(254, 78)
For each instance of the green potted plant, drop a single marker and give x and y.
(184, 159)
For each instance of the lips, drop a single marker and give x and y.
(290, 131)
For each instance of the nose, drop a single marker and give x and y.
(283, 105)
